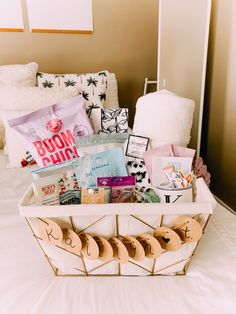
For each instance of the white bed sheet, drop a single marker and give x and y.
(27, 284)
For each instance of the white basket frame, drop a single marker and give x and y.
(122, 215)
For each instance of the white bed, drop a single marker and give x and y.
(27, 284)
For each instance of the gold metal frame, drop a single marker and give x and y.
(87, 273)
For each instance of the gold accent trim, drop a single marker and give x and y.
(117, 234)
(82, 271)
(18, 30)
(61, 31)
(72, 224)
(81, 231)
(161, 220)
(52, 266)
(112, 260)
(86, 273)
(140, 267)
(150, 226)
(164, 268)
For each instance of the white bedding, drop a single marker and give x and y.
(27, 284)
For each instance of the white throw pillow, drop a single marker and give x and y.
(165, 118)
(18, 74)
(25, 98)
(18, 101)
(15, 149)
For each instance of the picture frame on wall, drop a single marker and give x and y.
(60, 16)
(11, 16)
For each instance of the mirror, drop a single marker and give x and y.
(182, 53)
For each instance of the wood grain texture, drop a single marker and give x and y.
(62, 31)
(18, 30)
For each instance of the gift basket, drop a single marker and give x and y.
(111, 203)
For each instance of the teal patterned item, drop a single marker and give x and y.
(103, 164)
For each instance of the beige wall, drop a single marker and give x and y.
(124, 42)
(221, 101)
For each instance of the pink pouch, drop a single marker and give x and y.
(168, 150)
(49, 133)
(162, 151)
(180, 151)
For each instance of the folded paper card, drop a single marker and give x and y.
(109, 120)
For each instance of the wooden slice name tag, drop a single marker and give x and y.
(168, 239)
(49, 231)
(105, 249)
(120, 252)
(150, 245)
(134, 248)
(188, 229)
(90, 248)
(71, 241)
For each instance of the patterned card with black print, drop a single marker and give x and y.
(109, 120)
(136, 167)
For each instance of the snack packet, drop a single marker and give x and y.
(46, 190)
(103, 164)
(49, 133)
(69, 191)
(68, 187)
(95, 195)
(118, 185)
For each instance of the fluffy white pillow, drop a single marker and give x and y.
(18, 74)
(18, 101)
(15, 149)
(165, 118)
(25, 98)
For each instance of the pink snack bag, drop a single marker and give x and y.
(49, 133)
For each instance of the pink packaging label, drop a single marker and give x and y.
(116, 181)
(119, 185)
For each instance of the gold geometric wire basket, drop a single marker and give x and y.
(117, 221)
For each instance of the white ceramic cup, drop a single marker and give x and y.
(170, 195)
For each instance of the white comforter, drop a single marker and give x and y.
(27, 284)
